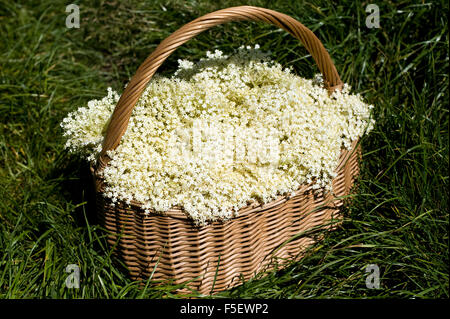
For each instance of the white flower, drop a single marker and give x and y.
(220, 133)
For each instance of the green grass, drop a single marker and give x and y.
(398, 218)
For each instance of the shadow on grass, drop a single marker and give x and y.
(77, 188)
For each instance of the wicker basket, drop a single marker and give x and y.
(215, 257)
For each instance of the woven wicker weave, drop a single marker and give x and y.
(215, 256)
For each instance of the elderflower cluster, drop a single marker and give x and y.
(220, 133)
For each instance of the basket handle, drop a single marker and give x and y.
(123, 109)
